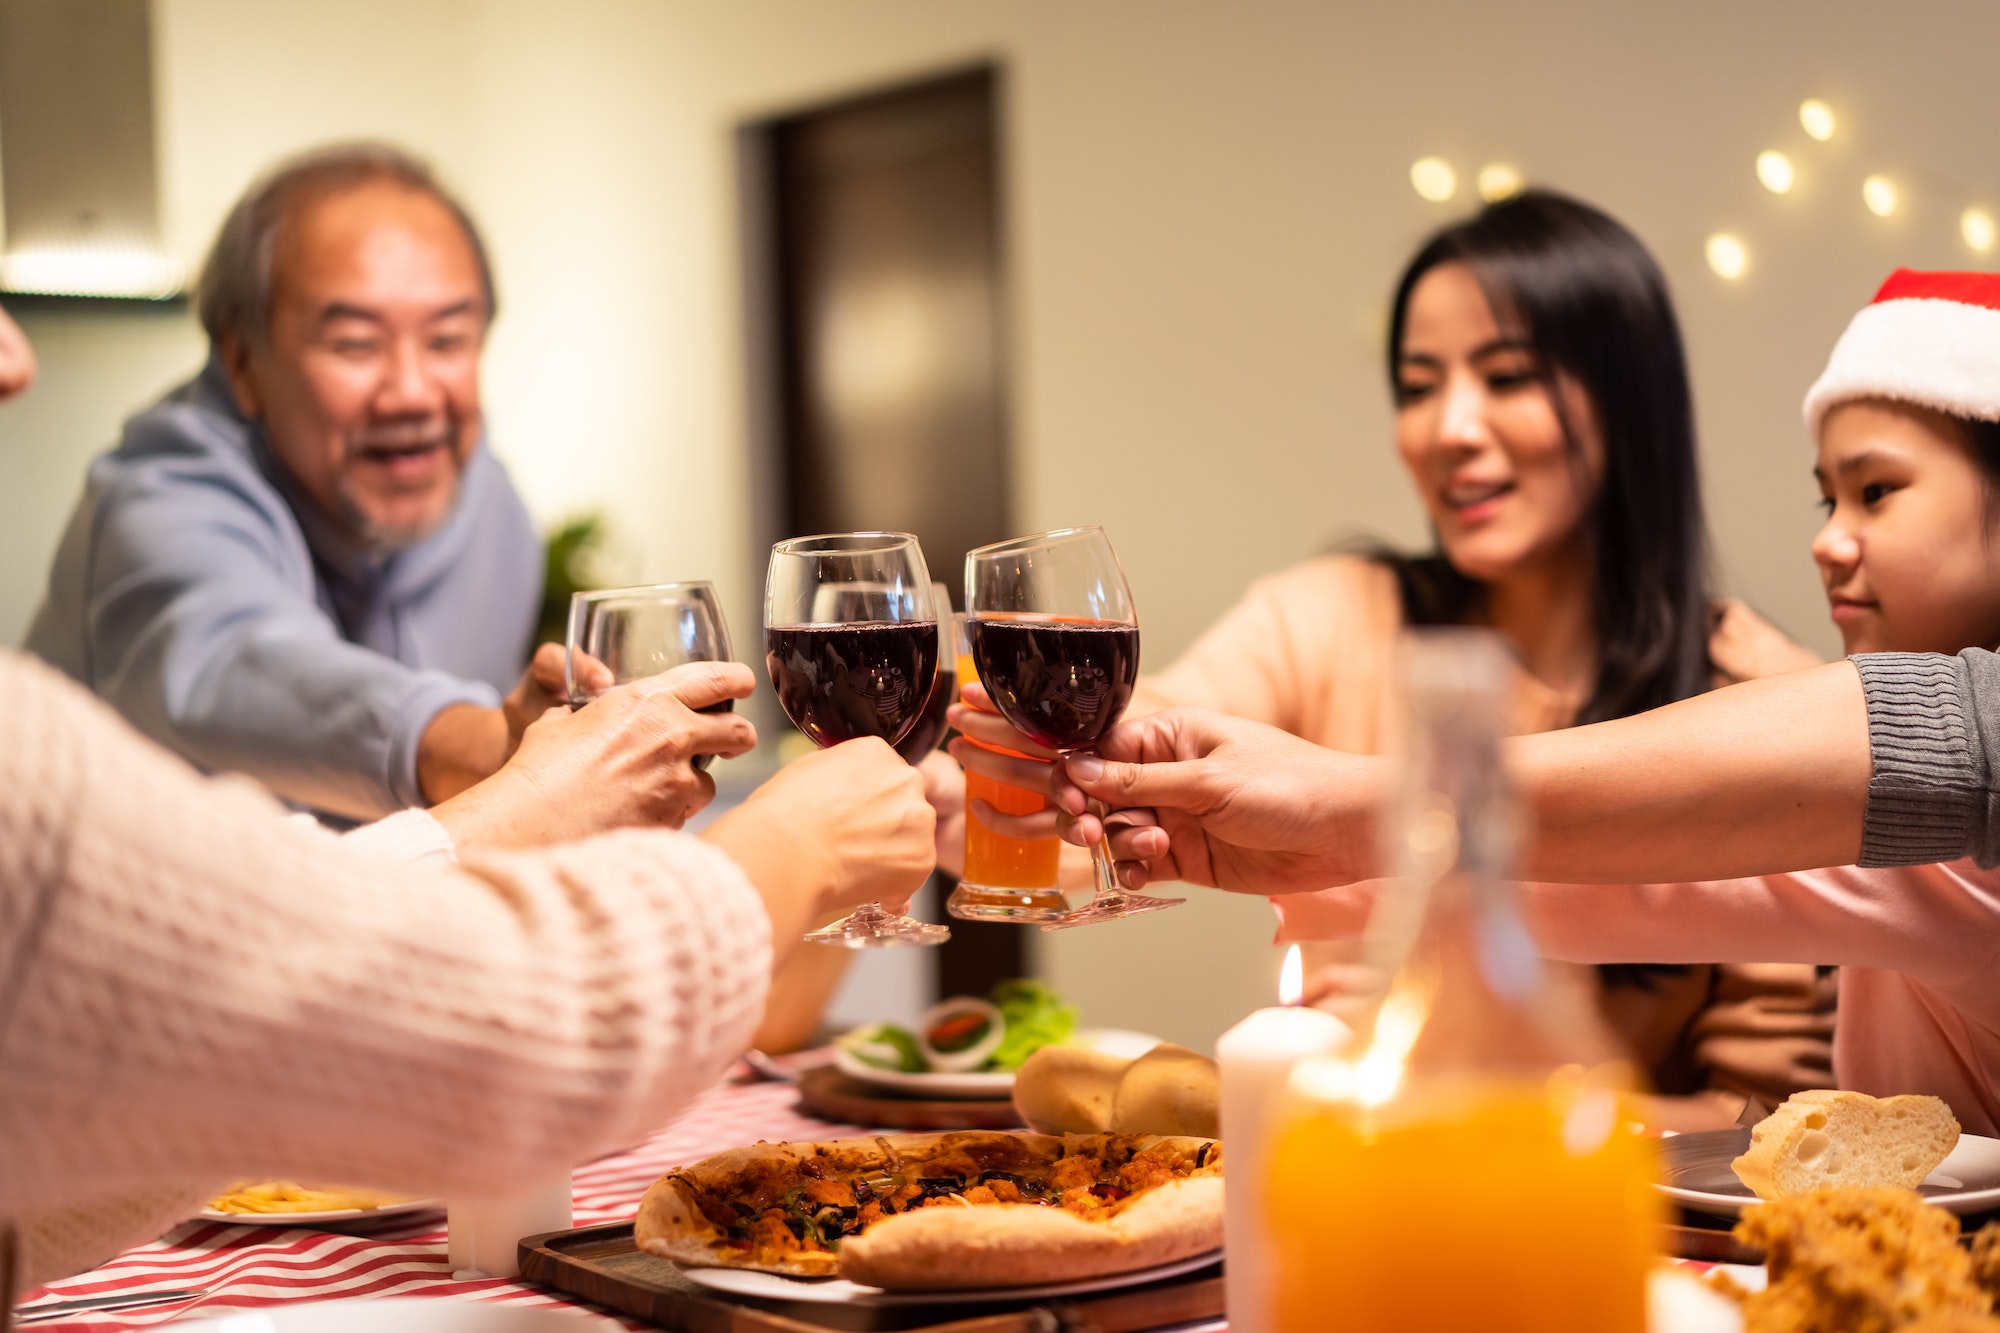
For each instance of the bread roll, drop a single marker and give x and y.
(1067, 1090)
(1169, 1090)
(1821, 1138)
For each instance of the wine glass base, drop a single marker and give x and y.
(975, 902)
(1109, 907)
(878, 930)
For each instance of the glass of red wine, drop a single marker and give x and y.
(619, 635)
(851, 642)
(1055, 639)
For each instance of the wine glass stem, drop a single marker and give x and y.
(1104, 877)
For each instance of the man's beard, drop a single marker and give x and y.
(384, 538)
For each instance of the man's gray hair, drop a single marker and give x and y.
(234, 294)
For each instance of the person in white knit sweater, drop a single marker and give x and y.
(195, 989)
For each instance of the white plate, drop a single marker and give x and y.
(396, 1316)
(317, 1219)
(1696, 1167)
(839, 1291)
(985, 1086)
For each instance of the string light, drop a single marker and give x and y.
(1774, 169)
(1879, 193)
(1433, 178)
(1728, 256)
(1976, 225)
(1498, 181)
(1817, 118)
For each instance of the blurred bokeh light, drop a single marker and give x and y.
(1879, 193)
(1728, 256)
(1497, 181)
(1976, 225)
(1774, 169)
(1433, 178)
(1817, 118)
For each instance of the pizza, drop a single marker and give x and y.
(933, 1211)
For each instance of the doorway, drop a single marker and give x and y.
(877, 322)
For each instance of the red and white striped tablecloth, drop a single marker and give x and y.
(250, 1267)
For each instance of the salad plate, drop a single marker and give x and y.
(996, 1085)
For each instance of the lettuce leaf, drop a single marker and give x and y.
(1036, 1017)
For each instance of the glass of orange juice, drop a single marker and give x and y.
(1005, 879)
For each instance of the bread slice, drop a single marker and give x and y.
(1822, 1138)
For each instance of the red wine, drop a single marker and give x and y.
(923, 737)
(1062, 683)
(839, 682)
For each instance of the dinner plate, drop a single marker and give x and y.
(426, 1315)
(839, 1291)
(1697, 1173)
(988, 1086)
(317, 1219)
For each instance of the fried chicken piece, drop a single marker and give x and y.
(1954, 1322)
(1986, 1259)
(1857, 1260)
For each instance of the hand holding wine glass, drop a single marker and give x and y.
(851, 642)
(619, 635)
(1055, 637)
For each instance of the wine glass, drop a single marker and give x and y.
(619, 635)
(930, 728)
(851, 642)
(1055, 639)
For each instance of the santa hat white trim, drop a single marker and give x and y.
(1928, 351)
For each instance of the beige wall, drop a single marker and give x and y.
(1207, 201)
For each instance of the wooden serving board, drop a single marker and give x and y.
(826, 1092)
(601, 1264)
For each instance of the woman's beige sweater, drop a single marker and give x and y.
(194, 989)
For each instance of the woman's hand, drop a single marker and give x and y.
(1220, 801)
(1033, 770)
(838, 828)
(627, 760)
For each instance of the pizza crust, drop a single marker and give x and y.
(1011, 1244)
(940, 1246)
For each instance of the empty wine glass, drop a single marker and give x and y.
(619, 635)
(1055, 638)
(851, 642)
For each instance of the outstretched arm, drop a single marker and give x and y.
(1767, 776)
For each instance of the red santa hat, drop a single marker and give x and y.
(1932, 339)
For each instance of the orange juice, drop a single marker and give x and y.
(991, 860)
(1461, 1208)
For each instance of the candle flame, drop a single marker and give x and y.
(1292, 977)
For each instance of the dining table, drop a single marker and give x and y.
(241, 1267)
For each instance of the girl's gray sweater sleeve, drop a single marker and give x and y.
(1934, 736)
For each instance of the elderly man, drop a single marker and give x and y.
(304, 565)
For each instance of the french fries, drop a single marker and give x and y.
(288, 1196)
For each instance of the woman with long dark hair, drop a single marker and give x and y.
(1543, 413)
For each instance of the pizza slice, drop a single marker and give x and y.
(931, 1211)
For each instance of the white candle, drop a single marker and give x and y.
(483, 1235)
(1256, 1058)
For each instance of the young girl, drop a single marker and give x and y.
(1907, 419)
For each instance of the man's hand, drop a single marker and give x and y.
(838, 828)
(1220, 801)
(627, 760)
(17, 359)
(542, 687)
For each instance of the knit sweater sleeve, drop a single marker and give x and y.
(1934, 740)
(191, 989)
